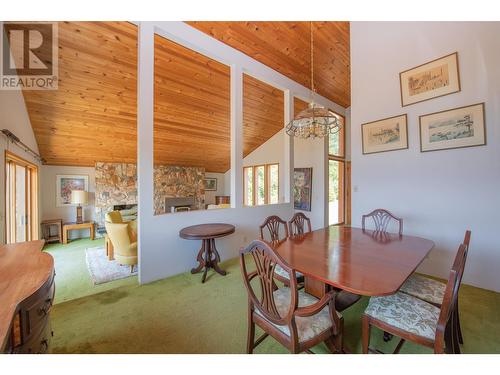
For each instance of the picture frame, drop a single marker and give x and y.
(210, 183)
(65, 183)
(388, 134)
(453, 128)
(302, 188)
(430, 80)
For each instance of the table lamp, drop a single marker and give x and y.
(79, 197)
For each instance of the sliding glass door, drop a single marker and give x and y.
(21, 203)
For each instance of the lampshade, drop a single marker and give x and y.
(79, 197)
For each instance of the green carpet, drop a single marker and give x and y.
(72, 276)
(181, 315)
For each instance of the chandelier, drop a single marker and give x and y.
(315, 121)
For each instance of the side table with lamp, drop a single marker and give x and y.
(80, 198)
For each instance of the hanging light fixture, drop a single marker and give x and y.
(315, 121)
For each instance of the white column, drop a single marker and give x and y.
(289, 155)
(145, 95)
(236, 136)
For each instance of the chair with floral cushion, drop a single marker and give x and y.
(294, 318)
(381, 219)
(432, 291)
(415, 320)
(273, 224)
(297, 224)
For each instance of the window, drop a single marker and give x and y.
(21, 193)
(261, 184)
(336, 175)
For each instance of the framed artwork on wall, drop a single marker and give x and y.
(388, 134)
(65, 183)
(430, 80)
(302, 188)
(210, 184)
(453, 128)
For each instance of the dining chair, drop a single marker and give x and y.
(293, 317)
(273, 224)
(297, 224)
(381, 219)
(432, 291)
(413, 319)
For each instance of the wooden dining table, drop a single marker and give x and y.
(363, 262)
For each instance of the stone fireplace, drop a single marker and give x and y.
(116, 185)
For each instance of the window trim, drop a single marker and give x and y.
(342, 178)
(267, 173)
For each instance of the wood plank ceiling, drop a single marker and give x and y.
(92, 116)
(285, 47)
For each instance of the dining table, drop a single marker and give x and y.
(363, 262)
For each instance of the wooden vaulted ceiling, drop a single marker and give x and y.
(93, 115)
(285, 47)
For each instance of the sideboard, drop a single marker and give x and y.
(27, 289)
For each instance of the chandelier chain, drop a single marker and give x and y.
(312, 60)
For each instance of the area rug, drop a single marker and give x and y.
(103, 270)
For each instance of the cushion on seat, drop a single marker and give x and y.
(281, 272)
(405, 312)
(424, 288)
(307, 327)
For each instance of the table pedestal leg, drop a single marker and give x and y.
(208, 257)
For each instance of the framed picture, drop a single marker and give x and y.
(388, 134)
(302, 188)
(453, 128)
(210, 184)
(65, 184)
(430, 80)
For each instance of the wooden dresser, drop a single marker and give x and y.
(27, 293)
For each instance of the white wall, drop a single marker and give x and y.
(14, 117)
(313, 153)
(439, 194)
(210, 195)
(162, 252)
(49, 210)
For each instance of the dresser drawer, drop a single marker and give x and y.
(34, 310)
(39, 341)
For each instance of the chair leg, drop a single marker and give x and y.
(366, 333)
(455, 338)
(459, 329)
(131, 268)
(251, 334)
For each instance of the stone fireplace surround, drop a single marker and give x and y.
(116, 184)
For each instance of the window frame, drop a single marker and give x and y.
(341, 158)
(267, 181)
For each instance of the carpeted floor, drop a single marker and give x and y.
(72, 275)
(181, 315)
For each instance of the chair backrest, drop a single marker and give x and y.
(119, 235)
(297, 224)
(265, 263)
(114, 217)
(273, 223)
(451, 295)
(381, 219)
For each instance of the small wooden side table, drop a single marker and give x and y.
(74, 226)
(46, 230)
(208, 257)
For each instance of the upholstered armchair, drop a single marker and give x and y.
(115, 217)
(124, 249)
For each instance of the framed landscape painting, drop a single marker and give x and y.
(430, 80)
(388, 134)
(210, 184)
(453, 128)
(302, 188)
(65, 184)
